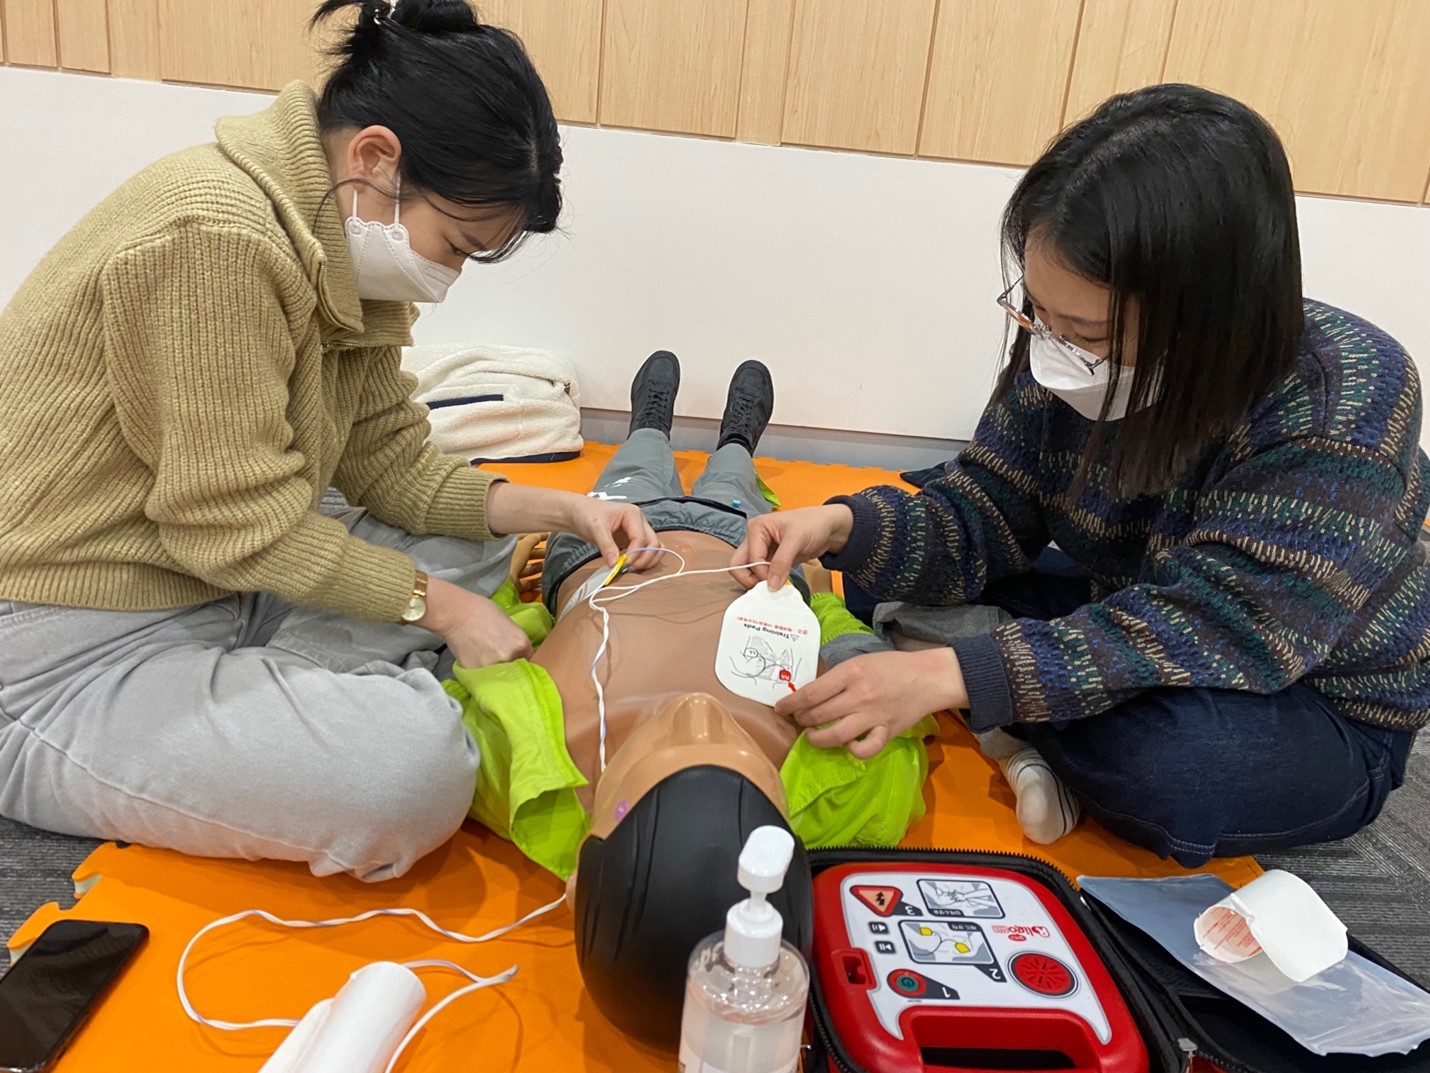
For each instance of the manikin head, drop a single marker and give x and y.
(658, 871)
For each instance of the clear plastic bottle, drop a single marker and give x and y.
(746, 989)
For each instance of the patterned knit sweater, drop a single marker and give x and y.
(1288, 553)
(189, 370)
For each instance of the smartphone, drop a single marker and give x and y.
(48, 993)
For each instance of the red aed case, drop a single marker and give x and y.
(922, 962)
(963, 961)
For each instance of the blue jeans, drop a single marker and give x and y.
(1199, 773)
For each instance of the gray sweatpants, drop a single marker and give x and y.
(245, 727)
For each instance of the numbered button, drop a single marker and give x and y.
(915, 986)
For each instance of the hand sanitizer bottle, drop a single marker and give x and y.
(746, 990)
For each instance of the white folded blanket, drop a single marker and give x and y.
(498, 403)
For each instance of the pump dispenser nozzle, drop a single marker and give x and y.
(765, 859)
(753, 926)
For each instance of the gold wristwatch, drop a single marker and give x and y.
(416, 609)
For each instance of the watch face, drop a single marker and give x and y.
(416, 610)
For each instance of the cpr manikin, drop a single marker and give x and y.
(692, 769)
(652, 835)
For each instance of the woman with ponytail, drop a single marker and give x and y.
(191, 654)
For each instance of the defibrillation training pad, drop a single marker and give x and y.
(769, 645)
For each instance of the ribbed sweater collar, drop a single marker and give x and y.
(281, 148)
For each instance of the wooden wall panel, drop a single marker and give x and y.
(258, 44)
(564, 40)
(30, 33)
(1345, 84)
(998, 79)
(673, 65)
(857, 73)
(134, 39)
(765, 73)
(1121, 45)
(82, 31)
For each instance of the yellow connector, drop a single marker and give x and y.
(616, 571)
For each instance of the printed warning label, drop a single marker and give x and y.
(883, 900)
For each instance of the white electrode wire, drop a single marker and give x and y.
(620, 592)
(228, 1026)
(478, 982)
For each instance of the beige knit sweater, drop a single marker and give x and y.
(188, 371)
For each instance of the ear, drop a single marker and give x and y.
(373, 154)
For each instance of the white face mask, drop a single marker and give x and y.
(388, 268)
(1058, 367)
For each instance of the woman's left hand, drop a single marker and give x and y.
(870, 699)
(614, 528)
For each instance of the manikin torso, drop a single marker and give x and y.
(662, 645)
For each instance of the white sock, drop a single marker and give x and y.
(1046, 810)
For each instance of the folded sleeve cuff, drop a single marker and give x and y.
(368, 582)
(985, 677)
(863, 537)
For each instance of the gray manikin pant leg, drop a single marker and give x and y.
(730, 477)
(641, 470)
(239, 728)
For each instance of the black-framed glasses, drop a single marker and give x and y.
(1090, 362)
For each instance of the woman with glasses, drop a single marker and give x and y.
(1238, 662)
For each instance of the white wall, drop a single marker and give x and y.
(866, 283)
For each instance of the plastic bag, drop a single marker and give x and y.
(1354, 1007)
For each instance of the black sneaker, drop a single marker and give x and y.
(748, 406)
(653, 392)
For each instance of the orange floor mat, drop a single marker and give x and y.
(539, 1021)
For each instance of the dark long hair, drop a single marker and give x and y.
(472, 114)
(1180, 201)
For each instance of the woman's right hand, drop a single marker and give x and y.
(478, 632)
(790, 537)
